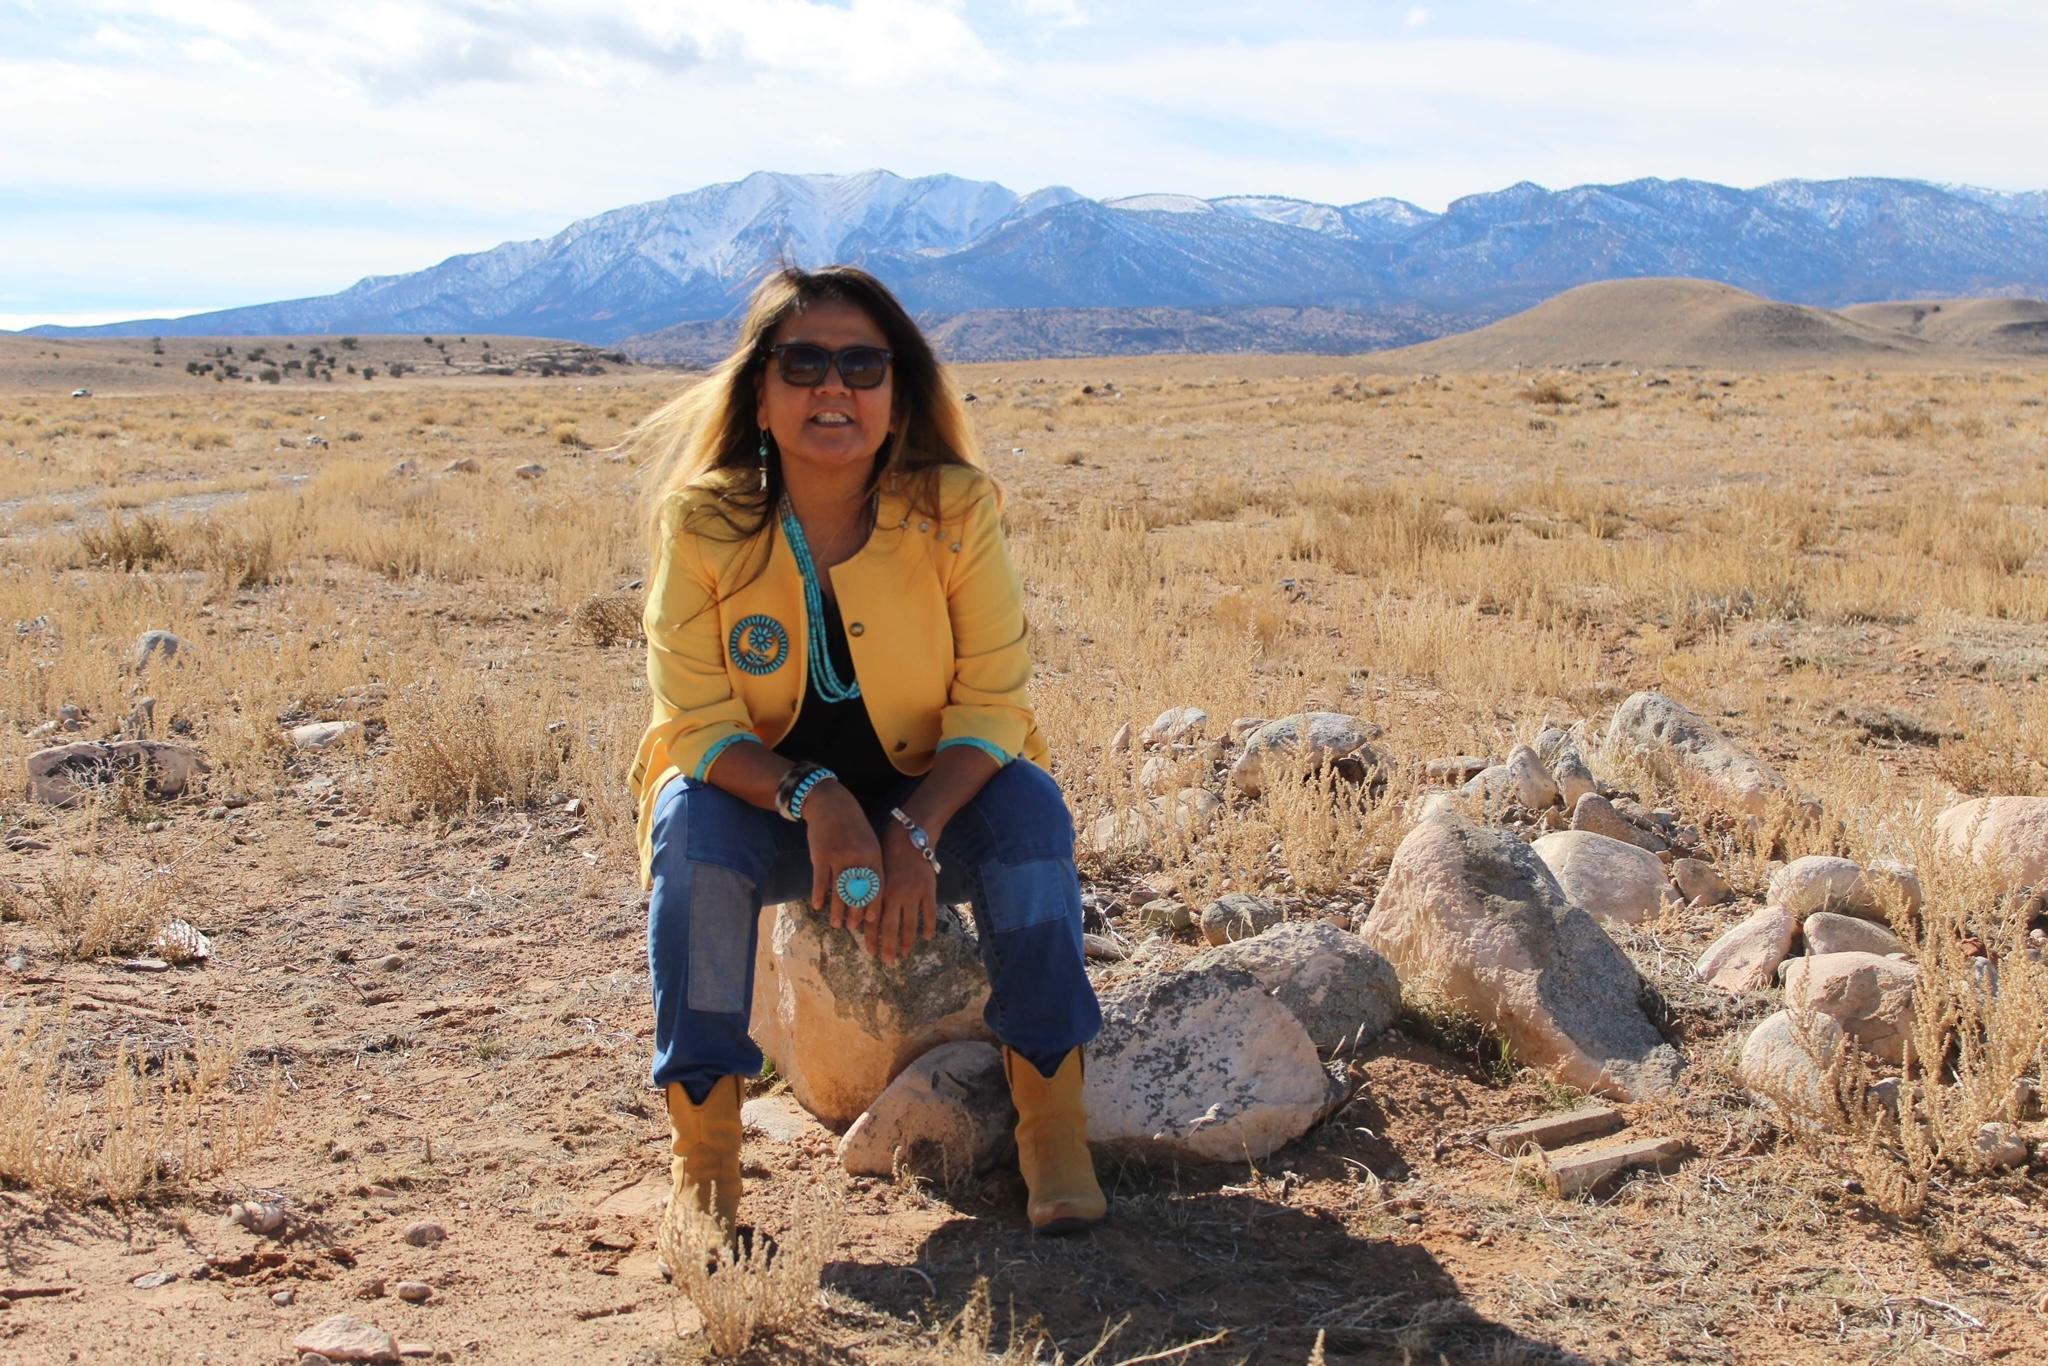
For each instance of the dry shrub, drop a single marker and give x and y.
(93, 914)
(124, 545)
(607, 619)
(206, 438)
(454, 749)
(762, 1288)
(140, 1132)
(1547, 391)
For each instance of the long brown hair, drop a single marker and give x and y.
(711, 427)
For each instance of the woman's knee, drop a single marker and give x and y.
(699, 823)
(1027, 814)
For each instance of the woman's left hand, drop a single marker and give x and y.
(909, 908)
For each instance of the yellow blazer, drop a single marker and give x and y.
(934, 616)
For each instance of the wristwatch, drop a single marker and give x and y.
(919, 840)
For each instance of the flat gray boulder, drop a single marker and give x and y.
(1202, 1065)
(1339, 987)
(62, 774)
(1235, 916)
(1670, 742)
(1476, 915)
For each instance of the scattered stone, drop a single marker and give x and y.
(1998, 1145)
(425, 1233)
(1700, 882)
(530, 471)
(1245, 725)
(1786, 1060)
(1191, 811)
(153, 643)
(945, 1116)
(1238, 916)
(404, 469)
(840, 1023)
(414, 1292)
(1593, 1167)
(1555, 1131)
(777, 1117)
(150, 1280)
(347, 1338)
(1475, 913)
(141, 718)
(1456, 768)
(1869, 996)
(390, 962)
(1613, 880)
(321, 734)
(143, 965)
(180, 940)
(1202, 1066)
(1157, 775)
(1164, 913)
(285, 1298)
(257, 1216)
(1311, 740)
(1667, 739)
(463, 466)
(1827, 932)
(1746, 957)
(1120, 741)
(59, 776)
(1102, 949)
(2006, 835)
(1173, 725)
(1596, 815)
(1338, 986)
(1822, 882)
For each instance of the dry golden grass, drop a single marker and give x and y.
(139, 1131)
(758, 1287)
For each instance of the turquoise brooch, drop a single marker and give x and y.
(759, 644)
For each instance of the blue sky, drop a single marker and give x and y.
(167, 156)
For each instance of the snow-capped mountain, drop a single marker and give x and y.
(951, 245)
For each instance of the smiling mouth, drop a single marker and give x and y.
(832, 420)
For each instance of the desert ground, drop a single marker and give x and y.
(426, 1001)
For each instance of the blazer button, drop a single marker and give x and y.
(855, 628)
(924, 526)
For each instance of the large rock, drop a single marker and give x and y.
(1521, 780)
(945, 1116)
(840, 1024)
(1671, 743)
(1307, 739)
(1235, 915)
(1786, 1061)
(1336, 984)
(1476, 914)
(60, 775)
(1202, 1065)
(1823, 882)
(1869, 996)
(1746, 958)
(1594, 813)
(1174, 725)
(2008, 836)
(1613, 880)
(1827, 932)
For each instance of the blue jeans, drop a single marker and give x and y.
(718, 860)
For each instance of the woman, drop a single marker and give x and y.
(837, 654)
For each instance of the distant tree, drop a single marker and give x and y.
(348, 343)
(156, 345)
(192, 367)
(428, 340)
(351, 368)
(269, 374)
(369, 372)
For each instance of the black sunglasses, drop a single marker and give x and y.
(805, 364)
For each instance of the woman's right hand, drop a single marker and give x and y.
(840, 838)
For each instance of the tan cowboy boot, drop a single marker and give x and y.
(1052, 1145)
(705, 1170)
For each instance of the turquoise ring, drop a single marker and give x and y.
(858, 887)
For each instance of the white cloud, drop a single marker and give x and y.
(1417, 17)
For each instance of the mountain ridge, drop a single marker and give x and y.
(953, 246)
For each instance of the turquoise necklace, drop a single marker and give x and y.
(823, 676)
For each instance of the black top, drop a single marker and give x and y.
(839, 735)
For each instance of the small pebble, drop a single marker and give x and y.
(150, 1280)
(425, 1233)
(283, 1298)
(390, 962)
(415, 1292)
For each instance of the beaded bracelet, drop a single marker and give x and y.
(817, 775)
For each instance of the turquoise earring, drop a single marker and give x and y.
(764, 462)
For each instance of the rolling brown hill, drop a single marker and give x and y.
(2007, 326)
(1663, 322)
